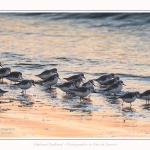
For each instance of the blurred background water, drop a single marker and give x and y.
(92, 43)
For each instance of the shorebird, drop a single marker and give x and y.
(89, 83)
(81, 91)
(146, 95)
(2, 92)
(47, 73)
(75, 77)
(129, 97)
(67, 86)
(4, 72)
(14, 76)
(25, 84)
(78, 81)
(110, 82)
(116, 87)
(52, 80)
(105, 78)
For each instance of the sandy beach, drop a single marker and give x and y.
(41, 120)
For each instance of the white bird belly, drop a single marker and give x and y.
(82, 94)
(146, 97)
(116, 90)
(52, 82)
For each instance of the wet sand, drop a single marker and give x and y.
(40, 119)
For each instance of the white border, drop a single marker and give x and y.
(63, 5)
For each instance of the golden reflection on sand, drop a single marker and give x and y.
(44, 120)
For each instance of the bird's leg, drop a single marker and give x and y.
(22, 91)
(148, 102)
(50, 87)
(122, 103)
(114, 94)
(130, 105)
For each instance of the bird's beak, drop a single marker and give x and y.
(84, 78)
(93, 84)
(33, 84)
(124, 84)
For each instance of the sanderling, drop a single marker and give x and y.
(67, 86)
(89, 83)
(129, 97)
(82, 91)
(146, 95)
(2, 92)
(78, 81)
(4, 72)
(14, 76)
(25, 84)
(47, 73)
(116, 87)
(52, 80)
(110, 82)
(75, 77)
(105, 78)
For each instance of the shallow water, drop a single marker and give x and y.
(94, 44)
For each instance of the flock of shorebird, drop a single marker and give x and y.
(110, 82)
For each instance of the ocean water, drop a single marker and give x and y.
(91, 43)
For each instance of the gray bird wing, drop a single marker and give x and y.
(113, 86)
(51, 78)
(14, 74)
(127, 95)
(45, 72)
(103, 78)
(109, 82)
(146, 93)
(66, 84)
(81, 89)
(2, 70)
(23, 82)
(72, 77)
